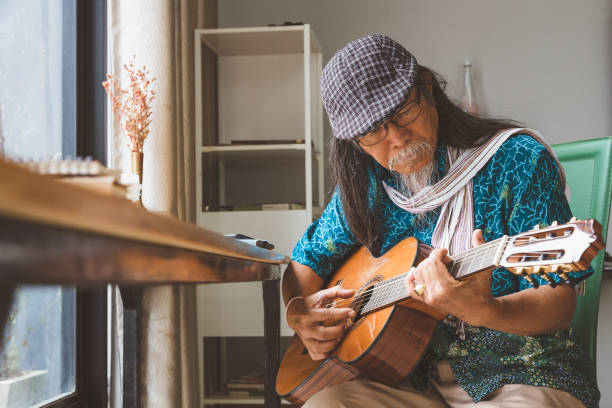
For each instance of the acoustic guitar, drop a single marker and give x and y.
(390, 332)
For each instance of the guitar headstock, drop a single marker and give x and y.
(557, 249)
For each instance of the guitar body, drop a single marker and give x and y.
(384, 345)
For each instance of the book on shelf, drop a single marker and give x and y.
(266, 141)
(245, 386)
(245, 393)
(249, 385)
(283, 206)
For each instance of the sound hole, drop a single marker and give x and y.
(361, 301)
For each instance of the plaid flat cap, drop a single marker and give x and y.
(365, 83)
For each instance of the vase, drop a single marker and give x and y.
(137, 158)
(467, 103)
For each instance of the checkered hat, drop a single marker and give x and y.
(365, 83)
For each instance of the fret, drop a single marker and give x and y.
(494, 248)
(393, 289)
(484, 259)
(479, 258)
(386, 293)
(372, 302)
(454, 270)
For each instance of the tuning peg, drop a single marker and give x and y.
(550, 281)
(566, 267)
(554, 223)
(567, 279)
(539, 270)
(536, 227)
(555, 268)
(573, 219)
(534, 283)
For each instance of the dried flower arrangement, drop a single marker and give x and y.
(132, 106)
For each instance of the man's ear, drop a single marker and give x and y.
(358, 147)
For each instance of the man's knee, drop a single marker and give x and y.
(332, 397)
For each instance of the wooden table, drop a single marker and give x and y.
(53, 233)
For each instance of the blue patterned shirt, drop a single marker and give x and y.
(518, 188)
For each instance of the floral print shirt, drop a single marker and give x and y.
(517, 189)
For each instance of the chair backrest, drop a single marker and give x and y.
(588, 169)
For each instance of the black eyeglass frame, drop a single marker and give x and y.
(393, 119)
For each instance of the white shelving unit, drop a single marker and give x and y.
(267, 95)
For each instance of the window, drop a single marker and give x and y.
(53, 348)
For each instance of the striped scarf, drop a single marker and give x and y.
(454, 192)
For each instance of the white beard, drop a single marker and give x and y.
(412, 183)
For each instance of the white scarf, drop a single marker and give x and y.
(454, 192)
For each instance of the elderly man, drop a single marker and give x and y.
(396, 135)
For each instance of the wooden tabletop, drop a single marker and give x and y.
(51, 232)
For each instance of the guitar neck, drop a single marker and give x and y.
(477, 259)
(462, 265)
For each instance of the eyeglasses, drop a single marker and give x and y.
(409, 113)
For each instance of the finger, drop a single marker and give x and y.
(439, 254)
(323, 347)
(477, 238)
(326, 333)
(332, 315)
(329, 294)
(410, 274)
(410, 284)
(332, 332)
(319, 350)
(317, 356)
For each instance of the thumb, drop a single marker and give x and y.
(477, 238)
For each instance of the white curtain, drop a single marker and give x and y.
(160, 34)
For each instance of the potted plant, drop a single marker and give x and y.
(132, 108)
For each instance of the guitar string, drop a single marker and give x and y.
(393, 281)
(387, 282)
(470, 254)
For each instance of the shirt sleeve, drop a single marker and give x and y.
(538, 197)
(327, 241)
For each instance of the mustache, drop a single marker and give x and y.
(411, 153)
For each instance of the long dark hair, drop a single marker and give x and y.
(350, 165)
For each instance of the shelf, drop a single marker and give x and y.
(258, 85)
(258, 40)
(261, 152)
(254, 147)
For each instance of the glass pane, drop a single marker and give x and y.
(37, 48)
(37, 121)
(37, 359)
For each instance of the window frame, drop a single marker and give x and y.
(87, 122)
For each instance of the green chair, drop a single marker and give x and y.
(588, 169)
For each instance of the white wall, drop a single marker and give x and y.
(546, 63)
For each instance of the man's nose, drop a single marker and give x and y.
(398, 136)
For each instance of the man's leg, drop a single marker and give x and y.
(508, 396)
(371, 394)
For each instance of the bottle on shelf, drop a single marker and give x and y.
(467, 102)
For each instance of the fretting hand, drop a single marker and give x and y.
(465, 299)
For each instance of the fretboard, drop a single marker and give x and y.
(462, 265)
